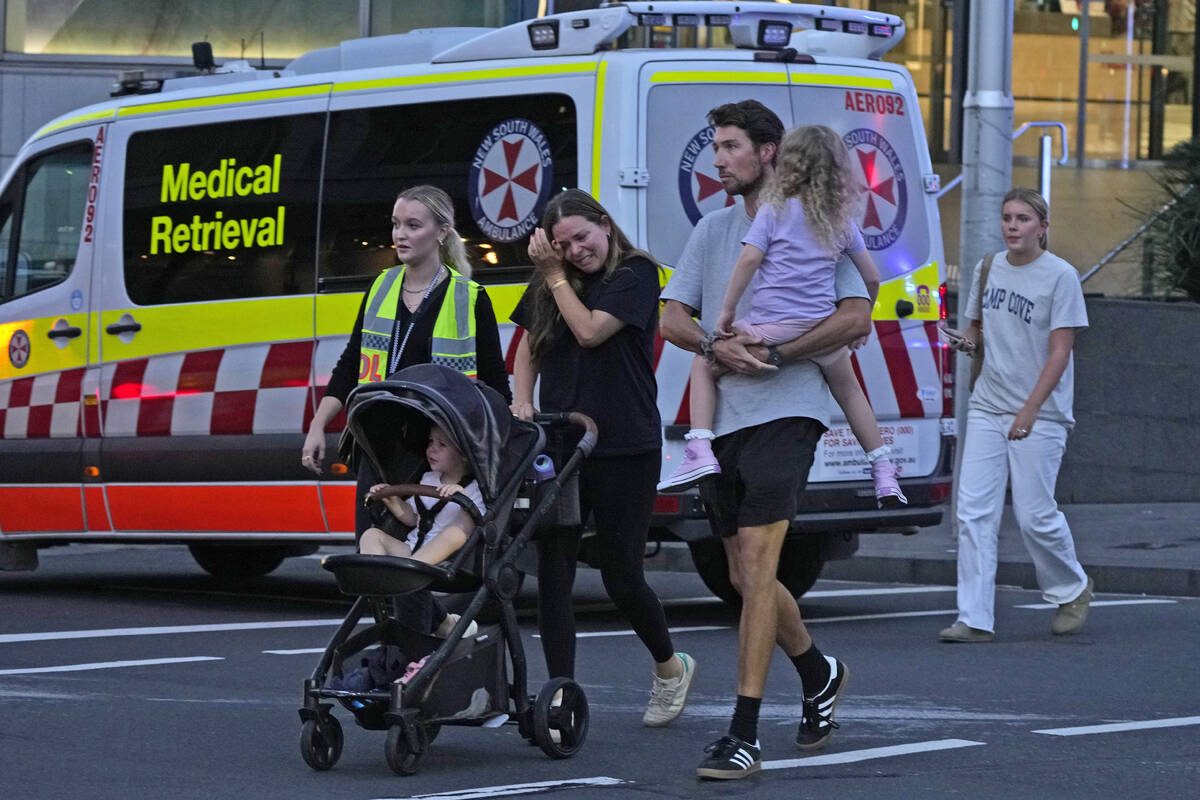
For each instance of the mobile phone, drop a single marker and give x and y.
(952, 336)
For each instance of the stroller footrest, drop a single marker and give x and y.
(382, 575)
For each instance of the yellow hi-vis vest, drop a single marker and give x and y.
(453, 330)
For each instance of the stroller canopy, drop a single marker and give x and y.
(390, 422)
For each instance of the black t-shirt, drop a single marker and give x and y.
(419, 349)
(613, 383)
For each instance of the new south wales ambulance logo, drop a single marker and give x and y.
(700, 190)
(510, 180)
(887, 192)
(18, 349)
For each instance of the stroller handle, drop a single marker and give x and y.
(591, 433)
(410, 489)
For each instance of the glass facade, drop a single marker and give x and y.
(272, 30)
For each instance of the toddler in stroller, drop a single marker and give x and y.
(453, 680)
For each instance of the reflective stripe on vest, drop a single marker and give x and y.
(453, 342)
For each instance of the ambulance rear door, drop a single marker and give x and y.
(874, 109)
(206, 330)
(46, 245)
(676, 149)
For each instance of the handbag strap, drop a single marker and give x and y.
(983, 276)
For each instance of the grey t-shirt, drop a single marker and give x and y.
(797, 389)
(1020, 307)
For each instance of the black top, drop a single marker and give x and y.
(419, 349)
(613, 383)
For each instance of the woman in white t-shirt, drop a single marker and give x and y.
(1019, 415)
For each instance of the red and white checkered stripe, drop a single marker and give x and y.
(42, 406)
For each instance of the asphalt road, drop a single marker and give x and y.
(127, 673)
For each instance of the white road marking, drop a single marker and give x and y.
(104, 633)
(1145, 602)
(881, 591)
(516, 788)
(852, 756)
(807, 620)
(890, 590)
(1117, 727)
(146, 662)
(304, 651)
(893, 615)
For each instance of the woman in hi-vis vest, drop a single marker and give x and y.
(409, 314)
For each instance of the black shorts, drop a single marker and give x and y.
(763, 471)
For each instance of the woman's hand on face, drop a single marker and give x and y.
(313, 451)
(1022, 425)
(546, 256)
(523, 411)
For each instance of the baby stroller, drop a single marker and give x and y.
(460, 681)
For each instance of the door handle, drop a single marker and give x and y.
(64, 333)
(129, 326)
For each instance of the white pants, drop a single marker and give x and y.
(989, 460)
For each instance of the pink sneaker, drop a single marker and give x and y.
(884, 472)
(413, 668)
(698, 463)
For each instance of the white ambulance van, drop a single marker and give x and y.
(180, 269)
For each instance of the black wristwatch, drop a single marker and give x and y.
(774, 357)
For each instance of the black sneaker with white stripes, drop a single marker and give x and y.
(816, 724)
(730, 758)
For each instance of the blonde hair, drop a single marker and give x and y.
(441, 207)
(1035, 201)
(814, 167)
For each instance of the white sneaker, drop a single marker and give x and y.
(668, 696)
(448, 624)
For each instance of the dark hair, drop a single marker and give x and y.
(761, 124)
(574, 203)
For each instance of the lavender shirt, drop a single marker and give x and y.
(795, 280)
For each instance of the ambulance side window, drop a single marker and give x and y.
(222, 211)
(39, 236)
(499, 158)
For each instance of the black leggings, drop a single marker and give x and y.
(619, 492)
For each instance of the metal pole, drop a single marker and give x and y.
(1081, 116)
(1196, 76)
(1045, 164)
(987, 165)
(1158, 82)
(961, 15)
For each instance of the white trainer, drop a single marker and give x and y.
(668, 696)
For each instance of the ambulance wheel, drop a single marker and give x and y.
(404, 752)
(560, 725)
(231, 562)
(321, 742)
(800, 565)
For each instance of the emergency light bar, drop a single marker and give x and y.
(755, 25)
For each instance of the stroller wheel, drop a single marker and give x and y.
(321, 742)
(403, 751)
(560, 718)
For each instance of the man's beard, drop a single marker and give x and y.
(744, 188)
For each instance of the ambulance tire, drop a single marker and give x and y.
(239, 561)
(800, 565)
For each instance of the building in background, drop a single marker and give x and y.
(1139, 56)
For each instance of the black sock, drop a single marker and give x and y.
(813, 669)
(745, 718)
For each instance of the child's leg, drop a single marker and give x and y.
(844, 386)
(698, 460)
(702, 396)
(375, 542)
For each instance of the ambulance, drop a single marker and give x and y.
(181, 265)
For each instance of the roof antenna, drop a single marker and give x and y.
(202, 57)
